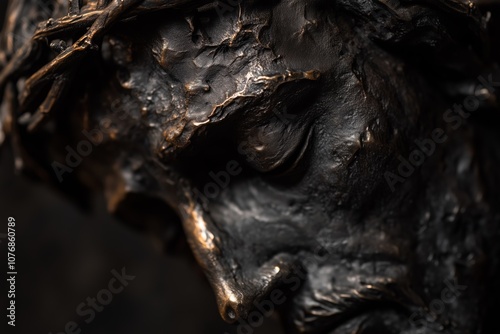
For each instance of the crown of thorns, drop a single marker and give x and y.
(90, 20)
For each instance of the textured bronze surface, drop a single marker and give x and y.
(341, 154)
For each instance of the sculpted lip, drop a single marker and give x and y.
(352, 308)
(328, 305)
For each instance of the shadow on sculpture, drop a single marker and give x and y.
(337, 161)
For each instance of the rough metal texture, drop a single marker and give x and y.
(275, 131)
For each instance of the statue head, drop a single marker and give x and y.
(333, 160)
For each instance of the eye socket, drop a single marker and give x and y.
(275, 140)
(274, 145)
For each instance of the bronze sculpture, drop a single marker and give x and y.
(335, 159)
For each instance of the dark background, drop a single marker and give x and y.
(64, 255)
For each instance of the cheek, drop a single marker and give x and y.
(279, 218)
(350, 157)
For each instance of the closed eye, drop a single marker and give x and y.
(275, 146)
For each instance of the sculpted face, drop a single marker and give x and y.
(269, 129)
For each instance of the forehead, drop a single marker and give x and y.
(205, 68)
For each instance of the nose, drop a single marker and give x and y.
(231, 301)
(236, 300)
(236, 294)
